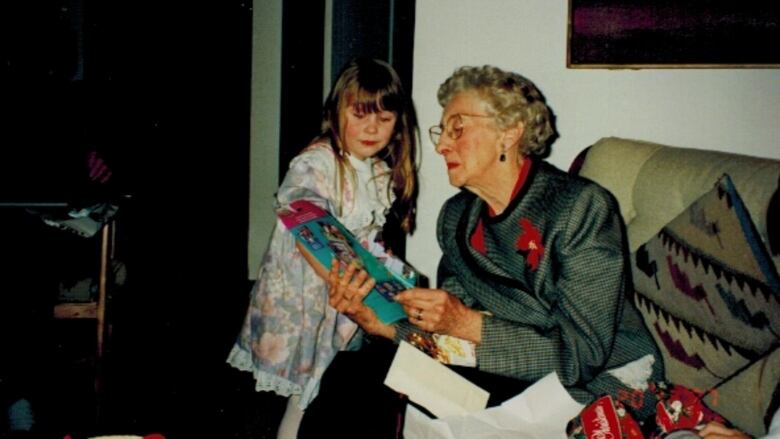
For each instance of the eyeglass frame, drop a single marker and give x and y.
(436, 136)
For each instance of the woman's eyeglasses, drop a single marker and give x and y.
(453, 128)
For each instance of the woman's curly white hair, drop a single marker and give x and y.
(511, 98)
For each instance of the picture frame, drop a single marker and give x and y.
(642, 34)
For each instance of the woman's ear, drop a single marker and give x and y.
(513, 134)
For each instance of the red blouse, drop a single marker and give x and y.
(478, 237)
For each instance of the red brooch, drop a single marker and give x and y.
(530, 241)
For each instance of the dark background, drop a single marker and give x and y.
(165, 88)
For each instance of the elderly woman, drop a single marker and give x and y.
(534, 266)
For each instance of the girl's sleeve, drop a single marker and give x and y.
(312, 177)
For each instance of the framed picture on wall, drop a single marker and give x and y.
(637, 34)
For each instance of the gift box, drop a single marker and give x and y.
(604, 418)
(680, 408)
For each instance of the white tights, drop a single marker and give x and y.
(293, 414)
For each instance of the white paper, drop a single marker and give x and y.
(542, 411)
(432, 385)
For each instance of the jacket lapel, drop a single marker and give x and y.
(495, 288)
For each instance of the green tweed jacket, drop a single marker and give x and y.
(561, 307)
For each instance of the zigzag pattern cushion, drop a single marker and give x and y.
(708, 291)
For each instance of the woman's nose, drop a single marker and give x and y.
(442, 146)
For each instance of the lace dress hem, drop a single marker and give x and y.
(268, 382)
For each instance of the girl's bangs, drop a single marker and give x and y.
(366, 101)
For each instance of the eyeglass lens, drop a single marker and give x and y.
(453, 129)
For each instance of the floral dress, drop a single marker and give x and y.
(290, 333)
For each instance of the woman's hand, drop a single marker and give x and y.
(716, 430)
(346, 293)
(441, 312)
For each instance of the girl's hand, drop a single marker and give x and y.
(346, 293)
(716, 430)
(440, 312)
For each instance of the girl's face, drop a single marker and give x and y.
(366, 134)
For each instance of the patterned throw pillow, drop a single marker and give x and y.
(708, 291)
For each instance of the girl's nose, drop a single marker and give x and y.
(373, 123)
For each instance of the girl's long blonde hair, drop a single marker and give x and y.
(371, 86)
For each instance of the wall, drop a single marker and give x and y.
(723, 109)
(264, 133)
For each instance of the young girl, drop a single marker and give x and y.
(362, 164)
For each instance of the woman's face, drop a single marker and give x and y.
(365, 134)
(472, 155)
